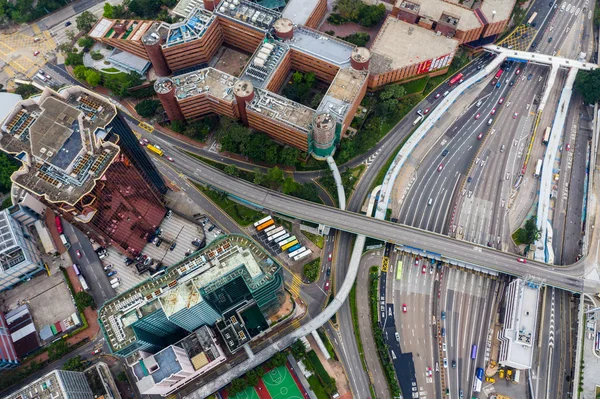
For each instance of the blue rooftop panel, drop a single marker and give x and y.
(167, 363)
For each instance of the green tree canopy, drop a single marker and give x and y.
(93, 77)
(79, 71)
(231, 170)
(7, 167)
(58, 349)
(587, 83)
(84, 300)
(85, 21)
(26, 91)
(85, 42)
(76, 363)
(73, 59)
(349, 9)
(147, 108)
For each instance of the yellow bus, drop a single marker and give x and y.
(289, 245)
(399, 271)
(155, 150)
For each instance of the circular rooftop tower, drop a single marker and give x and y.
(152, 43)
(323, 135)
(360, 57)
(243, 91)
(165, 88)
(284, 28)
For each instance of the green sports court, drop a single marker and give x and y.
(279, 383)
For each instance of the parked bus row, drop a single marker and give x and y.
(278, 238)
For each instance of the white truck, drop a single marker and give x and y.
(115, 282)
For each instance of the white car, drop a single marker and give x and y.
(444, 347)
(445, 363)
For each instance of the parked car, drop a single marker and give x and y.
(172, 247)
(107, 267)
(404, 308)
(111, 273)
(128, 261)
(68, 23)
(78, 252)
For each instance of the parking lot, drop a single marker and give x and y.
(176, 232)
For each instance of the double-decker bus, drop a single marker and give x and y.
(155, 150)
(263, 220)
(546, 136)
(58, 225)
(266, 224)
(478, 380)
(399, 271)
(532, 18)
(455, 79)
(473, 351)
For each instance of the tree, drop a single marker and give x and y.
(252, 378)
(238, 385)
(274, 177)
(163, 15)
(79, 71)
(108, 11)
(349, 9)
(588, 84)
(371, 15)
(76, 363)
(122, 376)
(65, 47)
(86, 42)
(58, 349)
(298, 350)
(147, 108)
(73, 59)
(231, 170)
(289, 156)
(85, 21)
(7, 167)
(26, 91)
(359, 38)
(70, 35)
(93, 77)
(278, 360)
(392, 91)
(145, 8)
(84, 300)
(259, 177)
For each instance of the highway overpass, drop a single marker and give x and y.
(454, 251)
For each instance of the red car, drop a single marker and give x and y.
(480, 136)
(521, 260)
(170, 159)
(404, 308)
(36, 53)
(424, 268)
(96, 351)
(493, 111)
(501, 100)
(145, 140)
(142, 143)
(437, 95)
(426, 111)
(518, 71)
(329, 257)
(477, 116)
(568, 147)
(78, 252)
(515, 115)
(440, 167)
(326, 288)
(417, 262)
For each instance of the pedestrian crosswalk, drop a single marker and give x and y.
(295, 324)
(295, 286)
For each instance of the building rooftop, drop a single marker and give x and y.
(497, 10)
(298, 11)
(51, 386)
(321, 45)
(282, 110)
(344, 89)
(205, 81)
(205, 270)
(191, 28)
(264, 61)
(385, 54)
(520, 329)
(248, 13)
(59, 139)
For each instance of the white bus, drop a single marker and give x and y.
(282, 238)
(65, 241)
(277, 235)
(274, 231)
(419, 119)
(269, 229)
(538, 168)
(261, 221)
(546, 136)
(297, 252)
(302, 255)
(83, 283)
(290, 239)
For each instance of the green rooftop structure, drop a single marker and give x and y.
(231, 283)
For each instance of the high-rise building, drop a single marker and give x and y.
(57, 384)
(8, 353)
(517, 336)
(231, 284)
(19, 255)
(81, 158)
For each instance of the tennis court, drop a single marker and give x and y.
(281, 384)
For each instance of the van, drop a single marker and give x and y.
(502, 148)
(444, 332)
(490, 121)
(115, 280)
(116, 284)
(397, 336)
(446, 93)
(479, 103)
(430, 201)
(393, 355)
(562, 7)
